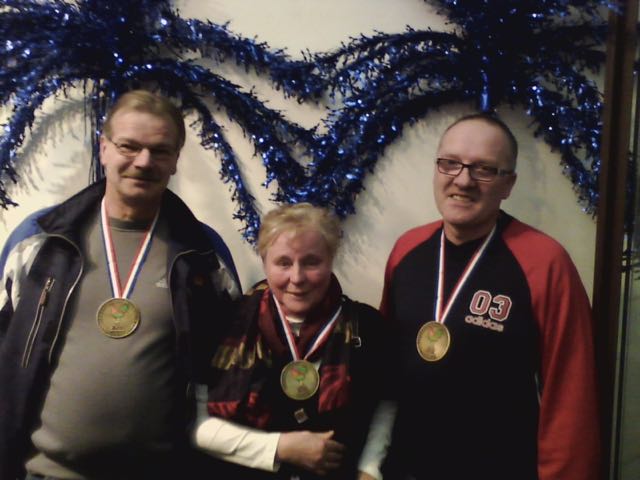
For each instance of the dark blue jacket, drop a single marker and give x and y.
(33, 308)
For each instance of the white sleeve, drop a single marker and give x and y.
(378, 439)
(231, 442)
(17, 267)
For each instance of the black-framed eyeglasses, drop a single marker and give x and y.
(477, 171)
(132, 150)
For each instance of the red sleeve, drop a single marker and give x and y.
(407, 242)
(568, 431)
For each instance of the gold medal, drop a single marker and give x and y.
(299, 380)
(433, 341)
(118, 317)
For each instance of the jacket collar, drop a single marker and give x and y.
(68, 217)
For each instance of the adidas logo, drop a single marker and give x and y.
(480, 321)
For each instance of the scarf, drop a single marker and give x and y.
(244, 365)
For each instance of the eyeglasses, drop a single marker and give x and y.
(132, 150)
(477, 171)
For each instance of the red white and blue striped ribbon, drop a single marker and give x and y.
(321, 337)
(441, 315)
(112, 262)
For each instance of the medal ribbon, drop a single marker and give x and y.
(440, 314)
(321, 337)
(136, 265)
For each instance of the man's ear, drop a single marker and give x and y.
(103, 146)
(175, 166)
(510, 182)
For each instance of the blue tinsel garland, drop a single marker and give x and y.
(110, 47)
(533, 53)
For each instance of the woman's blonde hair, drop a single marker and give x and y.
(298, 218)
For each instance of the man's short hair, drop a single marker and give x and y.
(297, 218)
(492, 119)
(148, 102)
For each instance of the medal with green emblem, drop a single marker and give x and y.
(434, 339)
(300, 378)
(118, 317)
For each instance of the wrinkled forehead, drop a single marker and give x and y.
(128, 118)
(137, 115)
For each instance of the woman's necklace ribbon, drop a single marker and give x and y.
(300, 378)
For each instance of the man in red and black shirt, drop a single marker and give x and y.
(496, 376)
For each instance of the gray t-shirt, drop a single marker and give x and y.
(111, 401)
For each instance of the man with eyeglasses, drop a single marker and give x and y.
(110, 307)
(496, 375)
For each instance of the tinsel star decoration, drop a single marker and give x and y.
(112, 46)
(537, 54)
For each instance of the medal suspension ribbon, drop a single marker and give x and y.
(433, 339)
(118, 317)
(114, 273)
(321, 337)
(300, 378)
(441, 315)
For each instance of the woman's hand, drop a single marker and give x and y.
(314, 451)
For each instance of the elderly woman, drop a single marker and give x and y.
(296, 382)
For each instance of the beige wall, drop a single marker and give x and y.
(397, 197)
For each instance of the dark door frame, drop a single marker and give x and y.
(618, 101)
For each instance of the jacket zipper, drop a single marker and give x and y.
(42, 303)
(170, 271)
(69, 293)
(189, 385)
